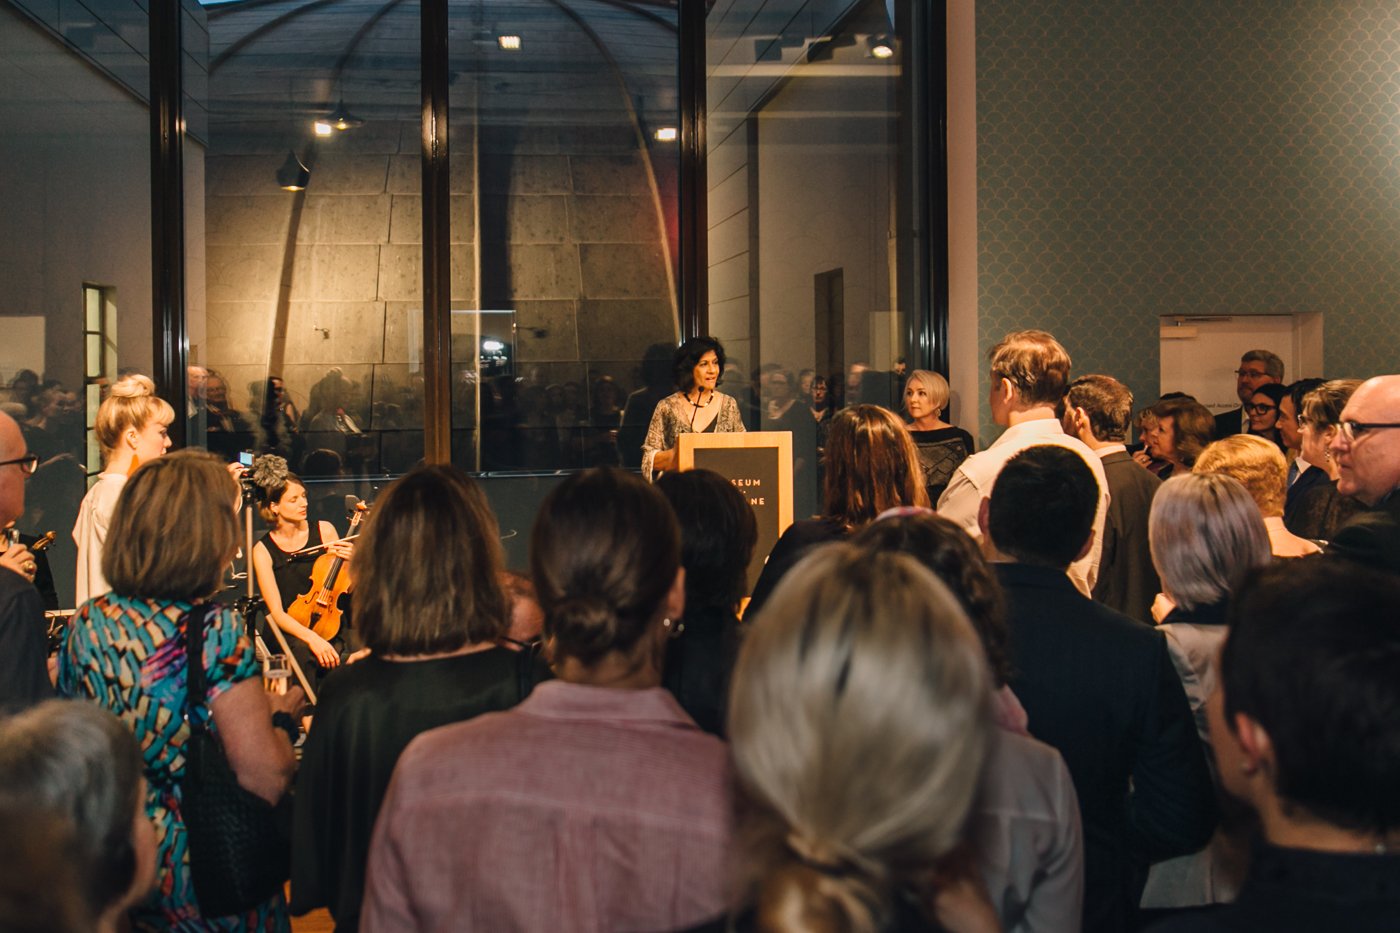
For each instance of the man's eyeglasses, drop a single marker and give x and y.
(1260, 409)
(29, 463)
(1251, 373)
(1351, 430)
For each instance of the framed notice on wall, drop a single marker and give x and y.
(759, 464)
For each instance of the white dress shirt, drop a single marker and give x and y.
(973, 482)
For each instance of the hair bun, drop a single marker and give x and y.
(270, 471)
(586, 621)
(133, 385)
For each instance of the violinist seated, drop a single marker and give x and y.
(313, 628)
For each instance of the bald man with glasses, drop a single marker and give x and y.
(1366, 449)
(24, 676)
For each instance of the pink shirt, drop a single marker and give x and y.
(582, 809)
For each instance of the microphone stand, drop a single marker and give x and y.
(250, 604)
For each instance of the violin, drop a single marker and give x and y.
(319, 607)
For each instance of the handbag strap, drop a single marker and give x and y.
(195, 620)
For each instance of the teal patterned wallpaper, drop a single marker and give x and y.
(1141, 158)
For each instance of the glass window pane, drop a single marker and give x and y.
(804, 178)
(308, 342)
(563, 227)
(77, 212)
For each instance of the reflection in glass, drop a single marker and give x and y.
(306, 339)
(807, 258)
(563, 219)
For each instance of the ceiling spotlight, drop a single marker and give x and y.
(508, 43)
(666, 134)
(880, 46)
(293, 175)
(322, 128)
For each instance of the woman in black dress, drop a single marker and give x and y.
(430, 607)
(282, 573)
(942, 447)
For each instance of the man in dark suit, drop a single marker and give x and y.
(1366, 449)
(1097, 686)
(1098, 410)
(1257, 368)
(24, 675)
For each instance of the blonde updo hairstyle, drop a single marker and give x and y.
(604, 553)
(131, 404)
(1253, 462)
(858, 722)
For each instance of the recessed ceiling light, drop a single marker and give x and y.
(666, 134)
(509, 43)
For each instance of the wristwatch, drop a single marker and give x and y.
(287, 724)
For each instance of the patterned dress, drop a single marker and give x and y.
(128, 655)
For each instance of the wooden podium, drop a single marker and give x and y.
(759, 464)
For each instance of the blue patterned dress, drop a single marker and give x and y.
(128, 655)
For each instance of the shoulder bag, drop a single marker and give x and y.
(239, 847)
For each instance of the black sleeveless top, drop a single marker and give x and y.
(293, 574)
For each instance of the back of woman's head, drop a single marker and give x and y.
(871, 465)
(173, 530)
(1206, 533)
(956, 560)
(858, 723)
(428, 566)
(1255, 463)
(718, 534)
(79, 763)
(130, 404)
(604, 552)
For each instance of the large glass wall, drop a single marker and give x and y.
(808, 259)
(75, 241)
(309, 343)
(563, 134)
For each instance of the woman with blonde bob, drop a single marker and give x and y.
(942, 446)
(1206, 535)
(125, 650)
(429, 604)
(871, 465)
(1258, 466)
(132, 427)
(859, 719)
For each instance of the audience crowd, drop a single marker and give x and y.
(1062, 683)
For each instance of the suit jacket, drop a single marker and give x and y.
(1102, 690)
(1229, 423)
(1127, 580)
(1312, 476)
(1372, 538)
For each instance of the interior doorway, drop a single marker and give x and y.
(1200, 354)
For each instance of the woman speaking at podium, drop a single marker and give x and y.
(696, 409)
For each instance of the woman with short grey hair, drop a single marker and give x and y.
(78, 764)
(1206, 533)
